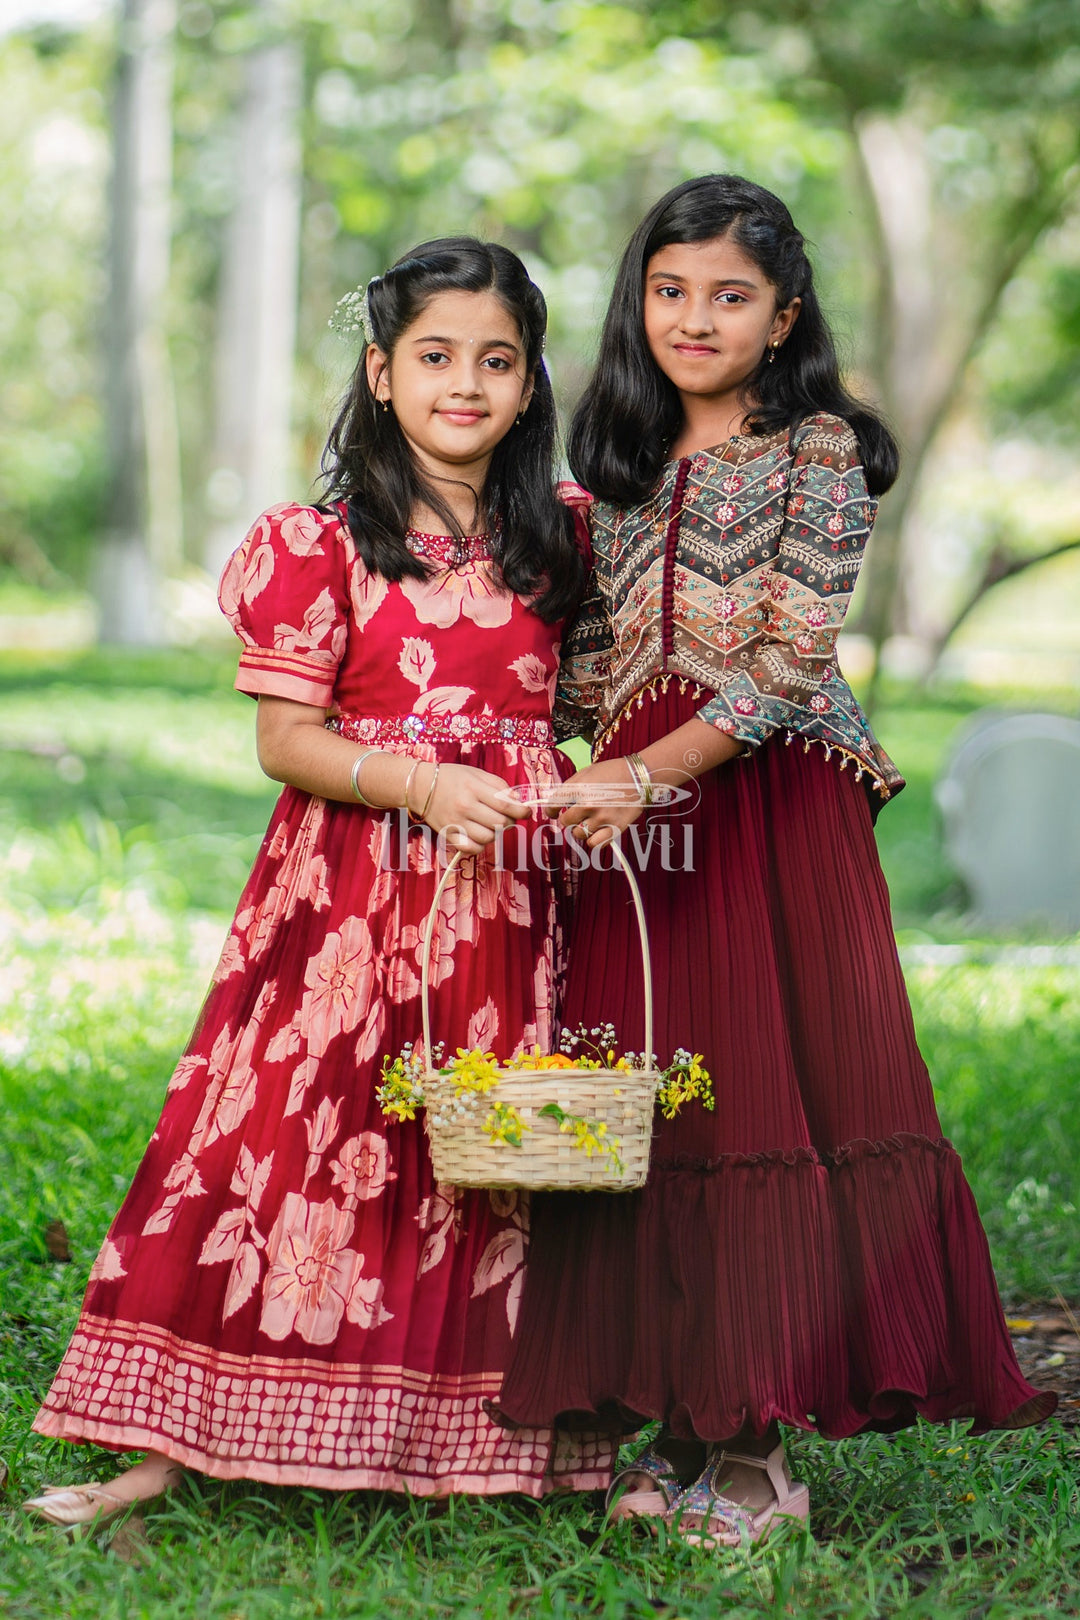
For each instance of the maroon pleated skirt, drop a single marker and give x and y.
(810, 1251)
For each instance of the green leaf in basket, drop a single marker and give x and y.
(590, 1136)
(504, 1124)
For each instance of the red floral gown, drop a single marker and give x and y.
(286, 1293)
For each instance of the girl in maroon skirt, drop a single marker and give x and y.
(287, 1294)
(810, 1253)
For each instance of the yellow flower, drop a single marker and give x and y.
(504, 1123)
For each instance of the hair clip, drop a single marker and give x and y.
(353, 313)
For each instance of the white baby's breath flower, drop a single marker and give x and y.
(352, 314)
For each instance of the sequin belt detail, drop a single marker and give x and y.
(526, 731)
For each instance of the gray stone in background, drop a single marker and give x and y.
(1010, 800)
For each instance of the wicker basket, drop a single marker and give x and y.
(463, 1154)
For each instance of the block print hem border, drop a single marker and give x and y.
(284, 1421)
(113, 1438)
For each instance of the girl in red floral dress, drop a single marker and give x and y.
(286, 1293)
(809, 1253)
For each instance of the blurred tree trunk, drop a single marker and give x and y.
(915, 372)
(256, 335)
(142, 538)
(922, 342)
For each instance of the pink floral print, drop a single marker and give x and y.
(468, 590)
(362, 1167)
(340, 981)
(311, 1271)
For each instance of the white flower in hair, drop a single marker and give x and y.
(353, 313)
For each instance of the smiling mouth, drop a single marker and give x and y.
(694, 348)
(465, 416)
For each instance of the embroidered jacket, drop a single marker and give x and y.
(734, 576)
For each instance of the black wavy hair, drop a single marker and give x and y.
(629, 414)
(367, 462)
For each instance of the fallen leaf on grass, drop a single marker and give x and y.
(1019, 1324)
(56, 1241)
(130, 1542)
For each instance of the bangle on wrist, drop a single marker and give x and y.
(639, 773)
(650, 790)
(635, 777)
(354, 776)
(408, 785)
(422, 816)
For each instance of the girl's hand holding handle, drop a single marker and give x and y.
(674, 760)
(469, 805)
(594, 817)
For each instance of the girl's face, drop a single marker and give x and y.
(710, 314)
(456, 382)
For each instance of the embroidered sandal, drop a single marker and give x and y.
(640, 1502)
(705, 1518)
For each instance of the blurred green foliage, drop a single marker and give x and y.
(547, 123)
(53, 163)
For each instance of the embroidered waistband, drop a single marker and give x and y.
(527, 731)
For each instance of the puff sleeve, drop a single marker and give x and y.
(285, 592)
(788, 677)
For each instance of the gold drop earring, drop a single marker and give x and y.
(772, 352)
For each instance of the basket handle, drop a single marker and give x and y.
(646, 960)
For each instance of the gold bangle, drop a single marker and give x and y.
(354, 776)
(408, 784)
(430, 795)
(639, 771)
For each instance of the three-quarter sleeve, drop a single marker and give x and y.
(584, 667)
(587, 647)
(285, 592)
(784, 678)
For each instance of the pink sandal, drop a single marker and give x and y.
(67, 1505)
(641, 1503)
(703, 1517)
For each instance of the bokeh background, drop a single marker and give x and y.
(166, 368)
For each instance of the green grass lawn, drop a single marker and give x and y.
(131, 808)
